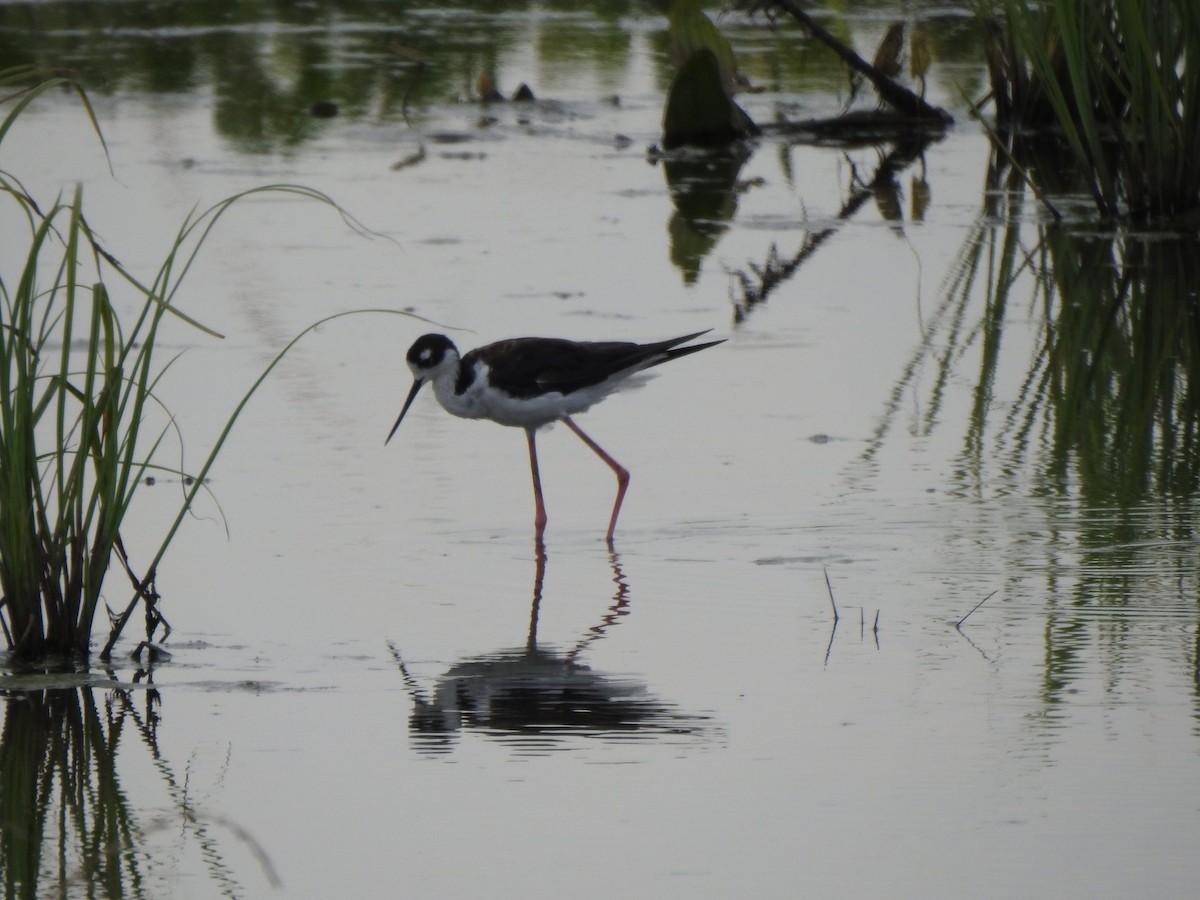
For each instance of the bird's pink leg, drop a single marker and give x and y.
(620, 471)
(539, 515)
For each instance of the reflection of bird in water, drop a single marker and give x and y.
(538, 698)
(531, 382)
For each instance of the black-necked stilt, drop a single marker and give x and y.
(531, 382)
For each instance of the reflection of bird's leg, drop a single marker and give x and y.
(621, 598)
(539, 577)
(620, 471)
(539, 515)
(618, 608)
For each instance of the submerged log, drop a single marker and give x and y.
(859, 127)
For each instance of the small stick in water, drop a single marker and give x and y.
(958, 624)
(833, 602)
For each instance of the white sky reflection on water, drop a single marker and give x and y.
(1047, 749)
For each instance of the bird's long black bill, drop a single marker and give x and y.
(412, 395)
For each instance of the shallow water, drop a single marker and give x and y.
(377, 686)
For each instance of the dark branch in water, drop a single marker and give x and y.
(893, 93)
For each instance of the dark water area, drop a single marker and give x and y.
(904, 593)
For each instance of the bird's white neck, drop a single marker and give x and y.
(470, 403)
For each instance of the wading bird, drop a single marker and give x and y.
(531, 382)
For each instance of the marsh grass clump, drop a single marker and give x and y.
(80, 422)
(72, 395)
(74, 384)
(1118, 83)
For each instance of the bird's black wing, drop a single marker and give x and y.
(526, 367)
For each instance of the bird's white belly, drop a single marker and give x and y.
(481, 402)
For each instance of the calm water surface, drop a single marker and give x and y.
(378, 686)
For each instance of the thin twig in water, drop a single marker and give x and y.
(958, 624)
(412, 159)
(833, 602)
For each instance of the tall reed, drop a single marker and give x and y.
(1119, 81)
